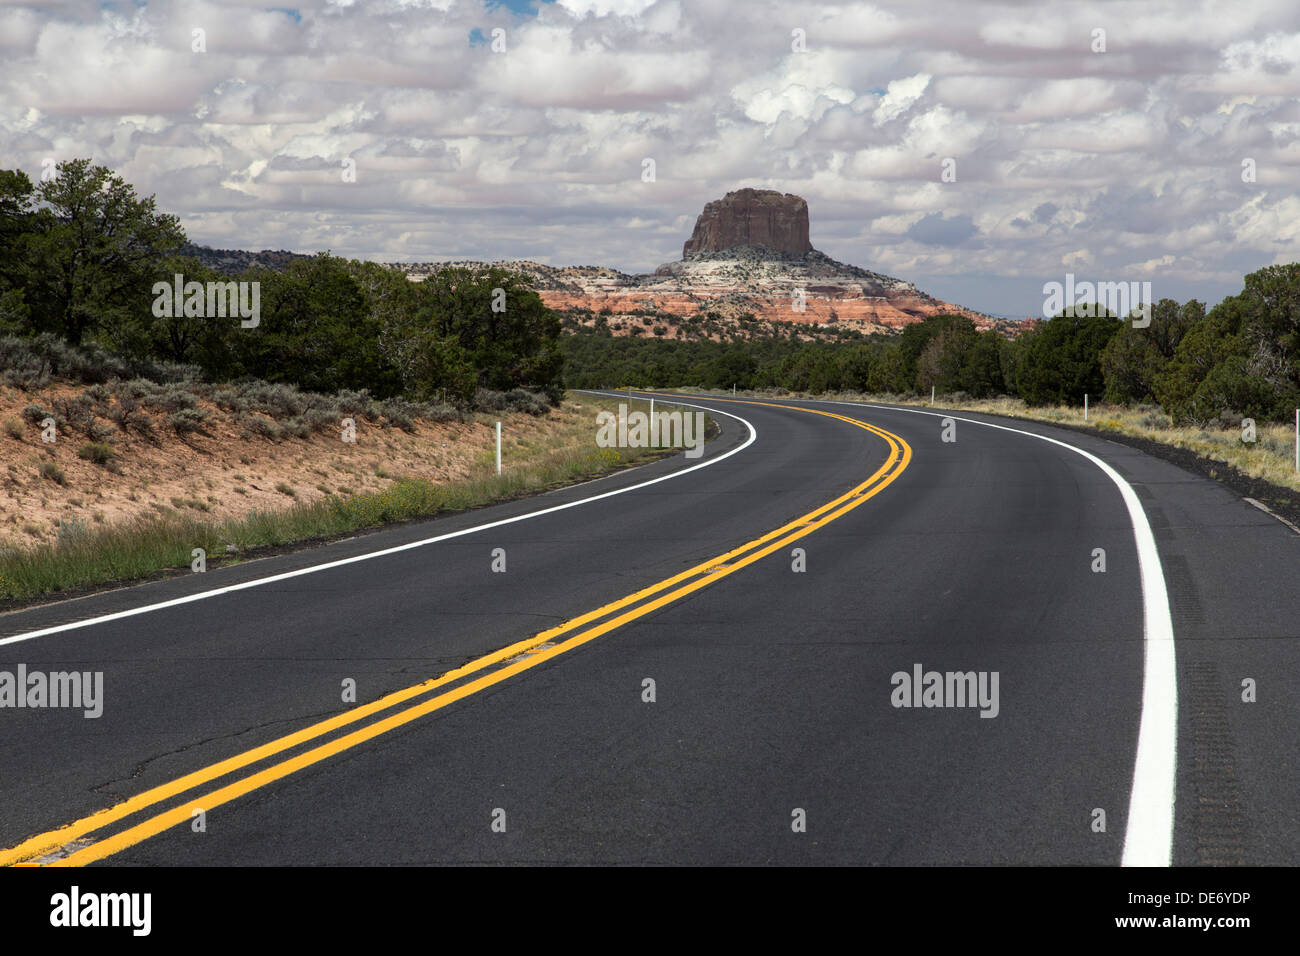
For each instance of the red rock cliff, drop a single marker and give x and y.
(752, 217)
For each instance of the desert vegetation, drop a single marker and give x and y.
(133, 433)
(82, 258)
(1197, 367)
(330, 490)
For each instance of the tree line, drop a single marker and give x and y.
(1241, 357)
(81, 254)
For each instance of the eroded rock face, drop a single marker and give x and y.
(749, 255)
(734, 283)
(757, 218)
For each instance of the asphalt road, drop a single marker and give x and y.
(773, 735)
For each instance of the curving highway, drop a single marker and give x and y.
(845, 635)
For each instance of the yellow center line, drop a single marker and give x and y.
(518, 657)
(709, 566)
(43, 842)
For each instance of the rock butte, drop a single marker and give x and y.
(754, 218)
(748, 252)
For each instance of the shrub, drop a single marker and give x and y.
(321, 419)
(229, 399)
(36, 414)
(27, 376)
(285, 489)
(317, 401)
(526, 401)
(172, 398)
(280, 401)
(259, 425)
(53, 472)
(1227, 420)
(14, 428)
(189, 420)
(91, 364)
(77, 412)
(136, 388)
(98, 432)
(399, 412)
(352, 404)
(71, 531)
(24, 361)
(441, 412)
(98, 452)
(170, 372)
(126, 415)
(99, 394)
(489, 400)
(143, 424)
(34, 361)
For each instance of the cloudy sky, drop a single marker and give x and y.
(1130, 162)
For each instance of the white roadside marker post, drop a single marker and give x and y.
(1085, 406)
(1297, 439)
(498, 448)
(931, 394)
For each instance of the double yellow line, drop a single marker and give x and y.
(69, 843)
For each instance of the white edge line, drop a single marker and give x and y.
(1148, 836)
(216, 592)
(1269, 511)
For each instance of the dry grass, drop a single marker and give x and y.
(1271, 457)
(541, 453)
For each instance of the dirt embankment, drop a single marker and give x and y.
(99, 471)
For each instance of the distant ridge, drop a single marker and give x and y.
(749, 256)
(233, 261)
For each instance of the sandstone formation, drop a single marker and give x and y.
(749, 254)
(754, 218)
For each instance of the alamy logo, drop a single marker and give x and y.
(948, 689)
(1087, 298)
(660, 430)
(216, 300)
(75, 908)
(56, 689)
